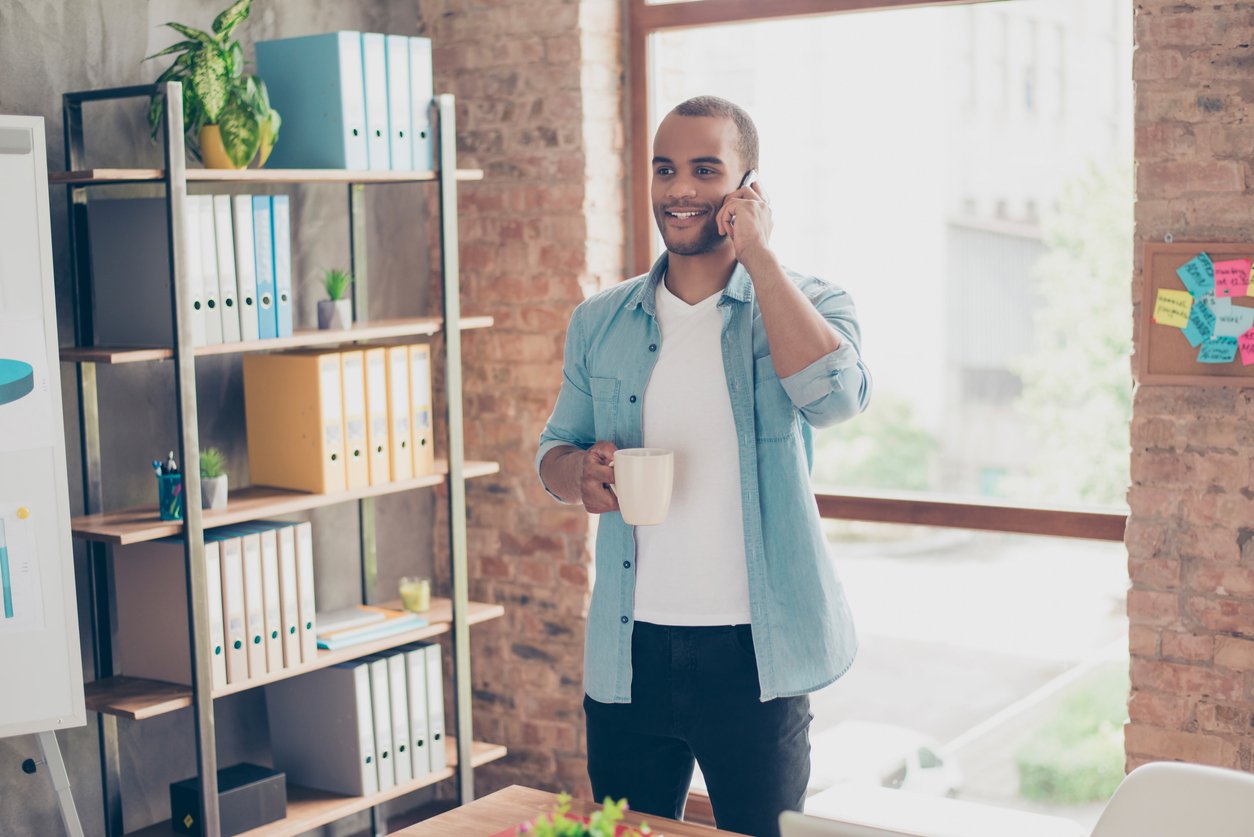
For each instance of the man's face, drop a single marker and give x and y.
(695, 165)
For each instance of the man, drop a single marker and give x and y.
(706, 633)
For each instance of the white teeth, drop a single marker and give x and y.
(685, 214)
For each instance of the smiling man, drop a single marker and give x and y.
(707, 632)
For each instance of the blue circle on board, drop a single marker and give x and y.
(16, 380)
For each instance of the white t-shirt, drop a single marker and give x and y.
(691, 569)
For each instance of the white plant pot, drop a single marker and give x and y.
(335, 314)
(213, 492)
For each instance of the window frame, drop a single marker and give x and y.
(643, 20)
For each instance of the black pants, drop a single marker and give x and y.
(695, 694)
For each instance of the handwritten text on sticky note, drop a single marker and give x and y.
(1232, 277)
(1198, 274)
(1233, 322)
(1201, 324)
(1219, 350)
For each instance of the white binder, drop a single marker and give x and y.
(377, 417)
(254, 605)
(308, 627)
(228, 292)
(217, 641)
(421, 92)
(416, 687)
(402, 760)
(435, 704)
(273, 598)
(235, 625)
(381, 709)
(398, 101)
(375, 73)
(208, 266)
(195, 270)
(289, 594)
(322, 729)
(398, 413)
(245, 265)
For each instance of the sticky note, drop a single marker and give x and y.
(1172, 308)
(1234, 322)
(1219, 350)
(1198, 274)
(1221, 306)
(1232, 277)
(1246, 343)
(1201, 324)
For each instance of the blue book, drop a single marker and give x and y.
(315, 83)
(282, 226)
(355, 636)
(263, 248)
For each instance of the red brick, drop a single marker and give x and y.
(1234, 653)
(1157, 64)
(1143, 641)
(1221, 614)
(1157, 709)
(1181, 679)
(1158, 575)
(1223, 718)
(1188, 647)
(1170, 744)
(1221, 580)
(1146, 607)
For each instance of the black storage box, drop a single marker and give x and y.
(250, 795)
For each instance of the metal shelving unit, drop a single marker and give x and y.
(113, 696)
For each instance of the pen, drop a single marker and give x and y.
(156, 466)
(171, 467)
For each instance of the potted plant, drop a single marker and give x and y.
(226, 112)
(213, 483)
(336, 311)
(603, 823)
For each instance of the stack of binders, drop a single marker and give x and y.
(238, 261)
(350, 100)
(261, 604)
(333, 420)
(379, 722)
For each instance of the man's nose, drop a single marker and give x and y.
(681, 187)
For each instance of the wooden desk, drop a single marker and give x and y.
(516, 804)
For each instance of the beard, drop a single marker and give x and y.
(703, 240)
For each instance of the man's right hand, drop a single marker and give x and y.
(595, 477)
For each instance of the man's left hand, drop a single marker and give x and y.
(745, 218)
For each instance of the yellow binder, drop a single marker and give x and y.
(292, 402)
(356, 441)
(398, 413)
(420, 408)
(377, 415)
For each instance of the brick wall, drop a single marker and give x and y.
(1191, 533)
(539, 102)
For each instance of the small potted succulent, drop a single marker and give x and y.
(213, 482)
(335, 311)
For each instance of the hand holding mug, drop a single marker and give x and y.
(596, 476)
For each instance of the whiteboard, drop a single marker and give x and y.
(41, 676)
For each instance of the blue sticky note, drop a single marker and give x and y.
(1198, 275)
(1233, 322)
(1201, 324)
(1219, 350)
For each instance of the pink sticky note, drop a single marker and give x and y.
(1232, 278)
(1246, 344)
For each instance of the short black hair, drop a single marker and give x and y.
(747, 145)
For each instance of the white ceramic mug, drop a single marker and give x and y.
(642, 482)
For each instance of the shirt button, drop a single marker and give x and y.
(653, 347)
(625, 620)
(632, 399)
(626, 565)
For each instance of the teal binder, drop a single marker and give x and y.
(263, 248)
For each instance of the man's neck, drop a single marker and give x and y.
(694, 278)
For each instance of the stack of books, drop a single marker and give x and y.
(362, 623)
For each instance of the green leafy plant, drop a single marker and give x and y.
(603, 823)
(217, 91)
(212, 463)
(336, 282)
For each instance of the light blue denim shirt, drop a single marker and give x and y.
(802, 631)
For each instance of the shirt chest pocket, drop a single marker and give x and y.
(775, 417)
(605, 408)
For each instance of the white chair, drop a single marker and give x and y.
(1173, 799)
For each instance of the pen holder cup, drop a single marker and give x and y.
(170, 496)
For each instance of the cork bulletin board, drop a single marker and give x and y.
(1191, 323)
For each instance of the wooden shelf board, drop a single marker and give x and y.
(89, 177)
(375, 330)
(137, 525)
(308, 808)
(139, 699)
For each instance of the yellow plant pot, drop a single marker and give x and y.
(212, 151)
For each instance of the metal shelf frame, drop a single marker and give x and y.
(174, 179)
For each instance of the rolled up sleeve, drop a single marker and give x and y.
(837, 386)
(571, 422)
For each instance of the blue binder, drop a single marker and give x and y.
(398, 101)
(315, 83)
(421, 92)
(374, 62)
(282, 226)
(263, 247)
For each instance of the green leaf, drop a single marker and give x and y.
(195, 34)
(211, 83)
(225, 23)
(240, 134)
(179, 47)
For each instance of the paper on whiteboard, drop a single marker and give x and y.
(21, 599)
(27, 418)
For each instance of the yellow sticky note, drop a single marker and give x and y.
(23, 513)
(1173, 307)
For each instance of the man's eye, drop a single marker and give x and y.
(702, 170)
(664, 170)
